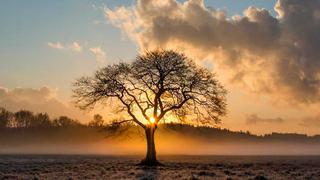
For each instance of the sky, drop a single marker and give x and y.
(263, 51)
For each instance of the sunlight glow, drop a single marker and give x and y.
(152, 120)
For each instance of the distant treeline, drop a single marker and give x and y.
(25, 119)
(218, 134)
(35, 123)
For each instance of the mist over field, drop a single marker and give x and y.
(171, 139)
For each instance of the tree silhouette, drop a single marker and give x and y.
(41, 120)
(65, 122)
(157, 85)
(97, 121)
(4, 118)
(23, 118)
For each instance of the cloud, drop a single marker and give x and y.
(74, 46)
(254, 119)
(100, 54)
(311, 121)
(278, 56)
(56, 45)
(37, 100)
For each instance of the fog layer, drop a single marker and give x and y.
(170, 139)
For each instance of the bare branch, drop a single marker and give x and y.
(160, 81)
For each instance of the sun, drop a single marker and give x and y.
(152, 120)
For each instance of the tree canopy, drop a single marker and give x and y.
(157, 84)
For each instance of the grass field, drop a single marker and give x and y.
(174, 167)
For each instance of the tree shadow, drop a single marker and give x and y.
(148, 172)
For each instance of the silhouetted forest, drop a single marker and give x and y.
(27, 122)
(25, 119)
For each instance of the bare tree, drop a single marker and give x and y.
(41, 120)
(4, 118)
(65, 122)
(23, 118)
(157, 85)
(97, 121)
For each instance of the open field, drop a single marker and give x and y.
(175, 167)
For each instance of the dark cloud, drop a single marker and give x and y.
(255, 119)
(278, 56)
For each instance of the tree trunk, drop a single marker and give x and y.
(151, 158)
